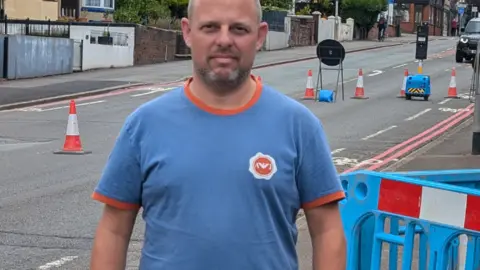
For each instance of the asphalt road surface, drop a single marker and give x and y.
(47, 218)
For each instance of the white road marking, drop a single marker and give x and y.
(352, 162)
(375, 73)
(77, 105)
(57, 263)
(153, 92)
(351, 80)
(452, 110)
(336, 151)
(378, 133)
(399, 66)
(66, 107)
(418, 114)
(444, 101)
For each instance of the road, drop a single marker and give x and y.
(48, 219)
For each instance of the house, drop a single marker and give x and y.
(32, 9)
(418, 11)
(90, 10)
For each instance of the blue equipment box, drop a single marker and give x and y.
(418, 86)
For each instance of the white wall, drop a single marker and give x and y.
(326, 29)
(94, 55)
(106, 56)
(278, 40)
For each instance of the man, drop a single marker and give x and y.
(382, 26)
(222, 165)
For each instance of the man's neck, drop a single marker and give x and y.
(236, 99)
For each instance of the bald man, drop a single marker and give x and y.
(221, 166)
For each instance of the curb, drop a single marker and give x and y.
(34, 102)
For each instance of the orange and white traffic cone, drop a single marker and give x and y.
(72, 144)
(309, 91)
(359, 90)
(404, 85)
(452, 88)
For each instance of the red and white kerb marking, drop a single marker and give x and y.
(435, 205)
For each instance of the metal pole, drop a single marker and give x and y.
(476, 115)
(336, 21)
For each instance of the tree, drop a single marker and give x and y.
(364, 12)
(148, 11)
(276, 4)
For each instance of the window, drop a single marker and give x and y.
(108, 3)
(473, 27)
(99, 3)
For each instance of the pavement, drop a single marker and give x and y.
(81, 84)
(48, 220)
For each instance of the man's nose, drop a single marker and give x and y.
(224, 38)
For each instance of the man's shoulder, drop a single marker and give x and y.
(286, 103)
(158, 107)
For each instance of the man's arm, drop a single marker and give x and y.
(120, 189)
(320, 190)
(328, 238)
(112, 238)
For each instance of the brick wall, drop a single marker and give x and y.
(154, 45)
(302, 32)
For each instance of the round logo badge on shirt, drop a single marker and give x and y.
(262, 166)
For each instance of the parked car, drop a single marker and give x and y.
(467, 44)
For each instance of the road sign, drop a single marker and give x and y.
(461, 11)
(474, 9)
(461, 5)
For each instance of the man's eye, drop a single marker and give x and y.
(240, 29)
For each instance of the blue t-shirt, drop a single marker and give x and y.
(220, 189)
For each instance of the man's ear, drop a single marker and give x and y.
(186, 31)
(262, 34)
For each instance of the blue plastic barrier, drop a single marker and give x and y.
(325, 95)
(435, 207)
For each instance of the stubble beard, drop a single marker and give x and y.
(220, 85)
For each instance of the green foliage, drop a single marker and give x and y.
(304, 11)
(137, 11)
(276, 4)
(364, 12)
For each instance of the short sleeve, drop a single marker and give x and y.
(121, 180)
(317, 177)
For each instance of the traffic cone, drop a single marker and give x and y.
(72, 144)
(452, 88)
(309, 92)
(404, 85)
(359, 90)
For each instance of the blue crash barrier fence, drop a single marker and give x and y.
(433, 217)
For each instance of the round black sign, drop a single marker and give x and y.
(330, 52)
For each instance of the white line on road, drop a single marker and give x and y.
(378, 133)
(336, 151)
(153, 92)
(77, 105)
(399, 66)
(375, 73)
(444, 101)
(57, 263)
(418, 114)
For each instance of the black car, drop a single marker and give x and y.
(467, 44)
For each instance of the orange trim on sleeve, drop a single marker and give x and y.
(202, 105)
(115, 203)
(324, 200)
